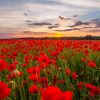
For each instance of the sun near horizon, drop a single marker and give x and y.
(56, 34)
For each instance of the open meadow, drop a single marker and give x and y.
(50, 69)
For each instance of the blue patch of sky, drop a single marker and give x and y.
(94, 14)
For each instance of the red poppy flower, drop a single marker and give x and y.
(68, 71)
(54, 93)
(88, 86)
(50, 93)
(74, 76)
(91, 63)
(34, 70)
(80, 85)
(43, 81)
(3, 65)
(44, 59)
(11, 67)
(67, 95)
(4, 90)
(33, 89)
(34, 77)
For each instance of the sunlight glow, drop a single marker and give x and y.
(58, 34)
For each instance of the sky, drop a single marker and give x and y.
(49, 18)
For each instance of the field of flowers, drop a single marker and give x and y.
(49, 70)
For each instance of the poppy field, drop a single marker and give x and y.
(49, 69)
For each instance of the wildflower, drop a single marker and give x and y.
(54, 93)
(68, 71)
(43, 81)
(11, 67)
(64, 96)
(91, 94)
(88, 86)
(3, 65)
(50, 93)
(4, 90)
(44, 59)
(34, 77)
(80, 85)
(33, 70)
(91, 63)
(33, 89)
(74, 76)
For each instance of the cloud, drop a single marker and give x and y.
(62, 18)
(28, 21)
(97, 22)
(51, 11)
(67, 18)
(29, 15)
(75, 16)
(32, 10)
(35, 33)
(25, 14)
(79, 23)
(63, 30)
(98, 19)
(94, 23)
(26, 31)
(39, 24)
(87, 26)
(53, 26)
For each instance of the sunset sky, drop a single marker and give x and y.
(49, 18)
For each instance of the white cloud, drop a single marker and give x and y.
(44, 12)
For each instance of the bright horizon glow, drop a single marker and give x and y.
(56, 34)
